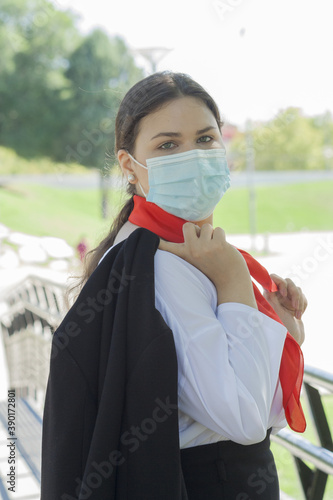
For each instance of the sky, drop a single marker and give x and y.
(255, 57)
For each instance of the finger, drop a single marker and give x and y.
(296, 297)
(300, 308)
(281, 284)
(294, 293)
(302, 305)
(197, 229)
(206, 232)
(190, 231)
(191, 234)
(305, 303)
(219, 234)
(168, 246)
(300, 299)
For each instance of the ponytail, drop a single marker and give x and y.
(92, 258)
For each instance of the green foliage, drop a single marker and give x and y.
(11, 163)
(291, 141)
(100, 71)
(38, 39)
(58, 90)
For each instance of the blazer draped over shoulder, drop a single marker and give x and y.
(110, 425)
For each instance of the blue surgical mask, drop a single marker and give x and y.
(188, 185)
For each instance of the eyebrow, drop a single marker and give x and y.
(178, 134)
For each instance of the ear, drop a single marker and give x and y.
(125, 163)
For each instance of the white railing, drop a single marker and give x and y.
(29, 313)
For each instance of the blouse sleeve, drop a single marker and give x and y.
(228, 355)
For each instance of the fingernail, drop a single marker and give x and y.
(298, 314)
(296, 303)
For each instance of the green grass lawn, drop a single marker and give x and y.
(288, 478)
(294, 207)
(48, 211)
(70, 214)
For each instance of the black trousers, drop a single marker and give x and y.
(229, 471)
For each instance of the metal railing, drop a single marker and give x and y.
(35, 296)
(313, 480)
(29, 313)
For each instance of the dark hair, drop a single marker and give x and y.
(145, 97)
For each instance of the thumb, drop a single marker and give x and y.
(168, 246)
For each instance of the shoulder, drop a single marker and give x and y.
(176, 278)
(125, 231)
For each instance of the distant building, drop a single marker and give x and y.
(228, 133)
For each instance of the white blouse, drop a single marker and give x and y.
(228, 357)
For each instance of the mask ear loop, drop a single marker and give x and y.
(136, 161)
(145, 195)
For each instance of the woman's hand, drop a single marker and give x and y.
(289, 303)
(206, 248)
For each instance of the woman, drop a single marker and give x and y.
(177, 367)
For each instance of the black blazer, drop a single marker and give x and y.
(110, 425)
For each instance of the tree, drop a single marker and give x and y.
(35, 42)
(59, 91)
(100, 71)
(290, 141)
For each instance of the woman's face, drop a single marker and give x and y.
(181, 125)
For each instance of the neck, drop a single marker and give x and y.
(208, 220)
(200, 223)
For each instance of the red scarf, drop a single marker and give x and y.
(169, 227)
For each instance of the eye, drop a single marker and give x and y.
(205, 138)
(167, 145)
